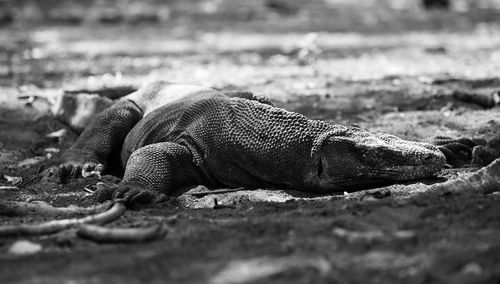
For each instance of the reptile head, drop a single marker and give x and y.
(350, 158)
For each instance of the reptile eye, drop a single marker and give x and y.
(320, 168)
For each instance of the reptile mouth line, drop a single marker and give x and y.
(381, 177)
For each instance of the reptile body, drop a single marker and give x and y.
(167, 136)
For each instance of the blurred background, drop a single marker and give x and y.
(268, 15)
(329, 59)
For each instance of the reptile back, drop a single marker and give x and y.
(240, 142)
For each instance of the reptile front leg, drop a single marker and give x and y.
(152, 172)
(92, 150)
(486, 179)
(459, 152)
(463, 151)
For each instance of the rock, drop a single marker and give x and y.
(472, 268)
(24, 247)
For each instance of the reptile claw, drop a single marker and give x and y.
(91, 174)
(92, 169)
(104, 191)
(135, 194)
(75, 171)
(459, 152)
(484, 155)
(64, 169)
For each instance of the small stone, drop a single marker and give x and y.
(472, 268)
(52, 150)
(24, 247)
(13, 180)
(27, 163)
(57, 134)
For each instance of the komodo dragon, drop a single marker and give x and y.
(165, 136)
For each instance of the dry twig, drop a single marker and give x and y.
(40, 208)
(55, 226)
(9, 187)
(120, 235)
(217, 191)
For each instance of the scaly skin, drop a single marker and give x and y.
(176, 135)
(487, 179)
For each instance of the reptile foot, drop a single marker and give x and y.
(104, 191)
(484, 155)
(71, 170)
(458, 151)
(130, 194)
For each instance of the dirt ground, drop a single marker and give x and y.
(406, 72)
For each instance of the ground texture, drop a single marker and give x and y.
(385, 67)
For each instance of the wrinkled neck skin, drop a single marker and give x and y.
(352, 159)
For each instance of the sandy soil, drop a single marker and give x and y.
(405, 82)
